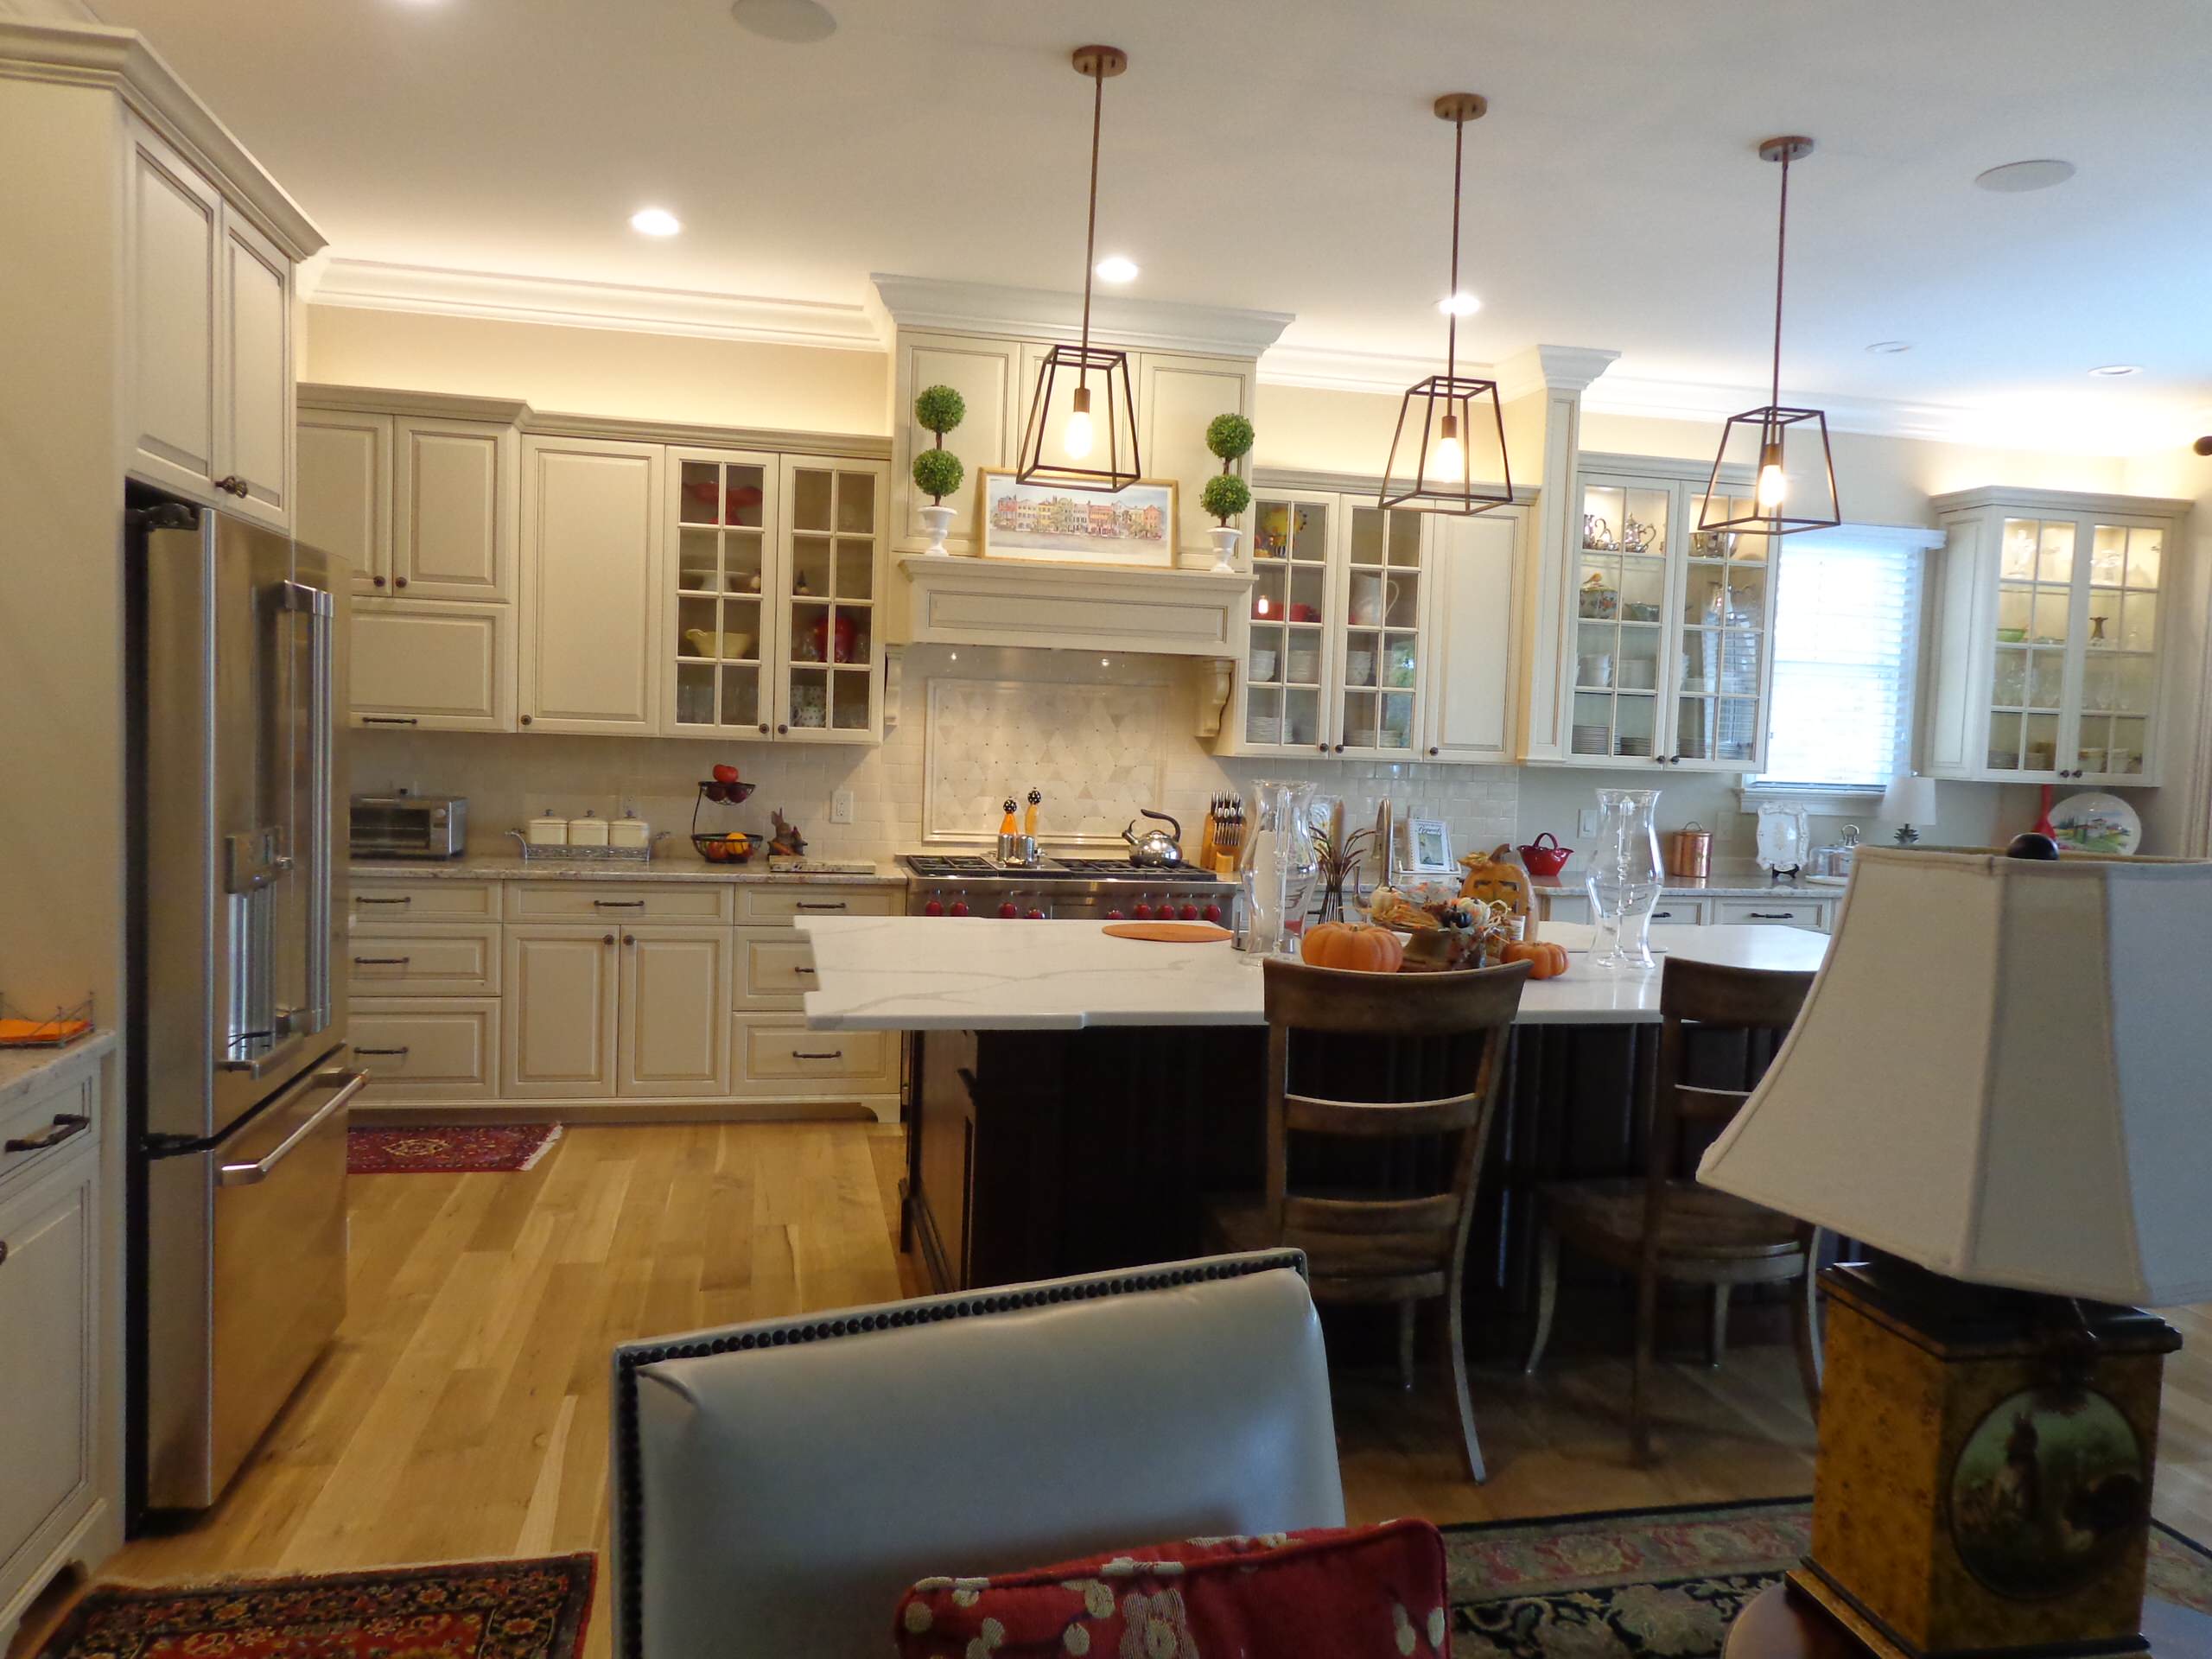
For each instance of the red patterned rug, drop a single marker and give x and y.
(448, 1151)
(468, 1610)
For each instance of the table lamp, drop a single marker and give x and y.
(1999, 1084)
(1909, 801)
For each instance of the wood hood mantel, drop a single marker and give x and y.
(1067, 607)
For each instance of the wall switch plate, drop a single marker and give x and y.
(840, 806)
(1586, 822)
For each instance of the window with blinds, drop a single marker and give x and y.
(1846, 644)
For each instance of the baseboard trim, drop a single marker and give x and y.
(870, 1108)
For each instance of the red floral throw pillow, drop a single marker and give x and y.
(1359, 1593)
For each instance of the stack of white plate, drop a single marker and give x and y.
(1304, 667)
(1263, 728)
(1588, 740)
(1638, 747)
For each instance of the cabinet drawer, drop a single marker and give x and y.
(439, 959)
(47, 1116)
(775, 967)
(1681, 912)
(782, 1056)
(763, 903)
(586, 900)
(440, 1048)
(1769, 912)
(381, 903)
(49, 1306)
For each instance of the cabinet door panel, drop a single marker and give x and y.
(256, 395)
(170, 248)
(982, 372)
(455, 959)
(591, 518)
(436, 666)
(1176, 398)
(47, 1290)
(676, 998)
(1471, 663)
(558, 1040)
(344, 491)
(454, 534)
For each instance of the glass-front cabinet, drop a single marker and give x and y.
(2048, 619)
(1670, 627)
(1333, 655)
(775, 571)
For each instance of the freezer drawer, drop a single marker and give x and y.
(247, 1282)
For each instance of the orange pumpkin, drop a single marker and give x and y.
(1545, 960)
(1352, 945)
(1495, 879)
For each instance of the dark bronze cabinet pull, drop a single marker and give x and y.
(1774, 915)
(389, 719)
(404, 898)
(809, 972)
(398, 1053)
(618, 904)
(833, 1054)
(64, 1125)
(382, 962)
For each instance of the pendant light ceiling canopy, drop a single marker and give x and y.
(1766, 433)
(1429, 467)
(1082, 388)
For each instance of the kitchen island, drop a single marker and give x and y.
(1075, 1097)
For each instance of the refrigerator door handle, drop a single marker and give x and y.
(318, 606)
(252, 1174)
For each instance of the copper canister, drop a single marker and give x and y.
(1689, 851)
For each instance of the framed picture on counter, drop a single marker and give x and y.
(1134, 526)
(1425, 847)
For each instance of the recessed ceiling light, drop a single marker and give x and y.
(2117, 371)
(1114, 268)
(2016, 176)
(655, 221)
(795, 23)
(1889, 348)
(1462, 304)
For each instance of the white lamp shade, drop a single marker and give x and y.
(2003, 1073)
(1910, 799)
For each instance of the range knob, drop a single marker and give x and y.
(959, 907)
(935, 907)
(1143, 910)
(1189, 913)
(1008, 911)
(1213, 913)
(1113, 915)
(1036, 915)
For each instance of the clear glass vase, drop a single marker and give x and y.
(1277, 867)
(1626, 877)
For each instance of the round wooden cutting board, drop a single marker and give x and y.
(1169, 933)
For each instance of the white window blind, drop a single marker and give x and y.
(1845, 645)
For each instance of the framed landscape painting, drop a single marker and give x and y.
(1050, 521)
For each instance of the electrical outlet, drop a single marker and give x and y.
(1585, 823)
(840, 806)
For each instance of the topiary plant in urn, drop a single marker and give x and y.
(936, 470)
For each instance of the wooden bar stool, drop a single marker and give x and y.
(1407, 1065)
(1663, 1227)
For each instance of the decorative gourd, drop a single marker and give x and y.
(1496, 879)
(1352, 945)
(1545, 959)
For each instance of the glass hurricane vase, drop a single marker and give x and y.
(1626, 877)
(1277, 867)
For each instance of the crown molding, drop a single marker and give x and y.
(938, 306)
(859, 446)
(1329, 368)
(372, 285)
(119, 60)
(436, 405)
(1552, 368)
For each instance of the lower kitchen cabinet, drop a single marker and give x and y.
(565, 986)
(443, 1048)
(676, 984)
(451, 959)
(780, 1057)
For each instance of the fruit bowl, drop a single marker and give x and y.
(720, 849)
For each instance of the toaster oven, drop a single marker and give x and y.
(409, 826)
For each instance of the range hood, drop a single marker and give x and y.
(1068, 607)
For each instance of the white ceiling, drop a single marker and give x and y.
(1280, 155)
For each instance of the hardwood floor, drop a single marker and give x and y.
(462, 1413)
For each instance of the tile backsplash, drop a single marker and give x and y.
(508, 777)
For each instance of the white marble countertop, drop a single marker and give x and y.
(25, 1070)
(683, 865)
(916, 973)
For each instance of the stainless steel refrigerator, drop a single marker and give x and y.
(239, 1080)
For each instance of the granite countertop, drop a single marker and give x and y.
(24, 1070)
(1755, 884)
(913, 973)
(684, 866)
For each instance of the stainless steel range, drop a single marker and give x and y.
(1106, 889)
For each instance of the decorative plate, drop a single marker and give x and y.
(2093, 822)
(1785, 837)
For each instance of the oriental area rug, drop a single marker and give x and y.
(441, 1151)
(1664, 1584)
(476, 1610)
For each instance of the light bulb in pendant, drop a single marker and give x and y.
(1773, 486)
(1078, 434)
(1449, 462)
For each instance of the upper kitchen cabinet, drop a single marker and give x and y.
(1177, 398)
(2049, 619)
(591, 594)
(718, 620)
(830, 647)
(345, 491)
(208, 347)
(1470, 675)
(983, 372)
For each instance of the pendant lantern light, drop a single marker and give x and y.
(1428, 467)
(1066, 451)
(1773, 424)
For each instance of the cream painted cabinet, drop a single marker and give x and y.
(453, 531)
(562, 992)
(207, 340)
(1177, 398)
(828, 670)
(345, 491)
(985, 373)
(433, 666)
(674, 1029)
(1471, 668)
(440, 1048)
(591, 598)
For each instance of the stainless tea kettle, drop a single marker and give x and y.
(1155, 850)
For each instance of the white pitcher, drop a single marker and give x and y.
(1372, 600)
